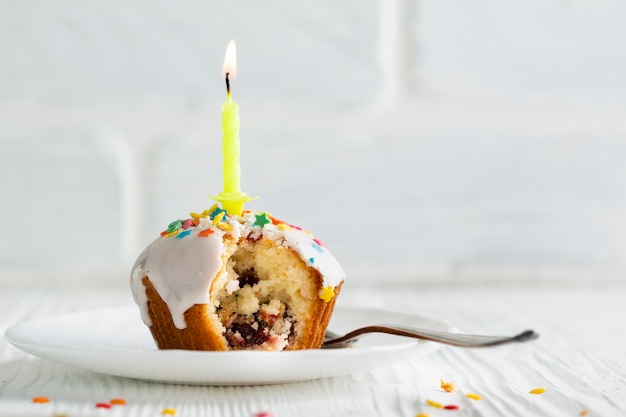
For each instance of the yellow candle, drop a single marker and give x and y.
(231, 197)
(231, 169)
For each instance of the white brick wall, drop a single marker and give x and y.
(506, 163)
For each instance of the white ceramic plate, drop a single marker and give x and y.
(115, 341)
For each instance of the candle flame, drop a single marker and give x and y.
(230, 61)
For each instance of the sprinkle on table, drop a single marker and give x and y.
(584, 412)
(41, 400)
(422, 415)
(538, 391)
(434, 404)
(451, 407)
(118, 401)
(473, 396)
(168, 411)
(447, 386)
(103, 405)
(264, 414)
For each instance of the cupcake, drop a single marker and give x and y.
(220, 281)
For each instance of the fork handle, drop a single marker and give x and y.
(454, 339)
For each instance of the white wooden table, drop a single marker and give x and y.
(580, 359)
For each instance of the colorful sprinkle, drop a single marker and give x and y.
(422, 415)
(118, 401)
(205, 232)
(174, 233)
(205, 213)
(103, 405)
(537, 391)
(218, 217)
(168, 411)
(584, 412)
(41, 400)
(319, 242)
(175, 225)
(263, 414)
(434, 404)
(446, 386)
(275, 220)
(261, 220)
(218, 212)
(317, 247)
(327, 293)
(187, 224)
(183, 234)
(472, 396)
(224, 226)
(312, 260)
(451, 407)
(284, 227)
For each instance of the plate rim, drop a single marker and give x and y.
(40, 349)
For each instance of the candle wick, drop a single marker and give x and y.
(227, 84)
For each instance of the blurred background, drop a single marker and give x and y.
(427, 141)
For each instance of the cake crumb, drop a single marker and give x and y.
(447, 386)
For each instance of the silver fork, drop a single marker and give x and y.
(333, 340)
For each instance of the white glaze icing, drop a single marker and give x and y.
(182, 267)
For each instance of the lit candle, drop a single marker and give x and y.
(231, 197)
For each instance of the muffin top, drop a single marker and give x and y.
(184, 261)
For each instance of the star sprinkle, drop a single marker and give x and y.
(327, 293)
(261, 220)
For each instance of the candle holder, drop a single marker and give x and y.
(233, 202)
